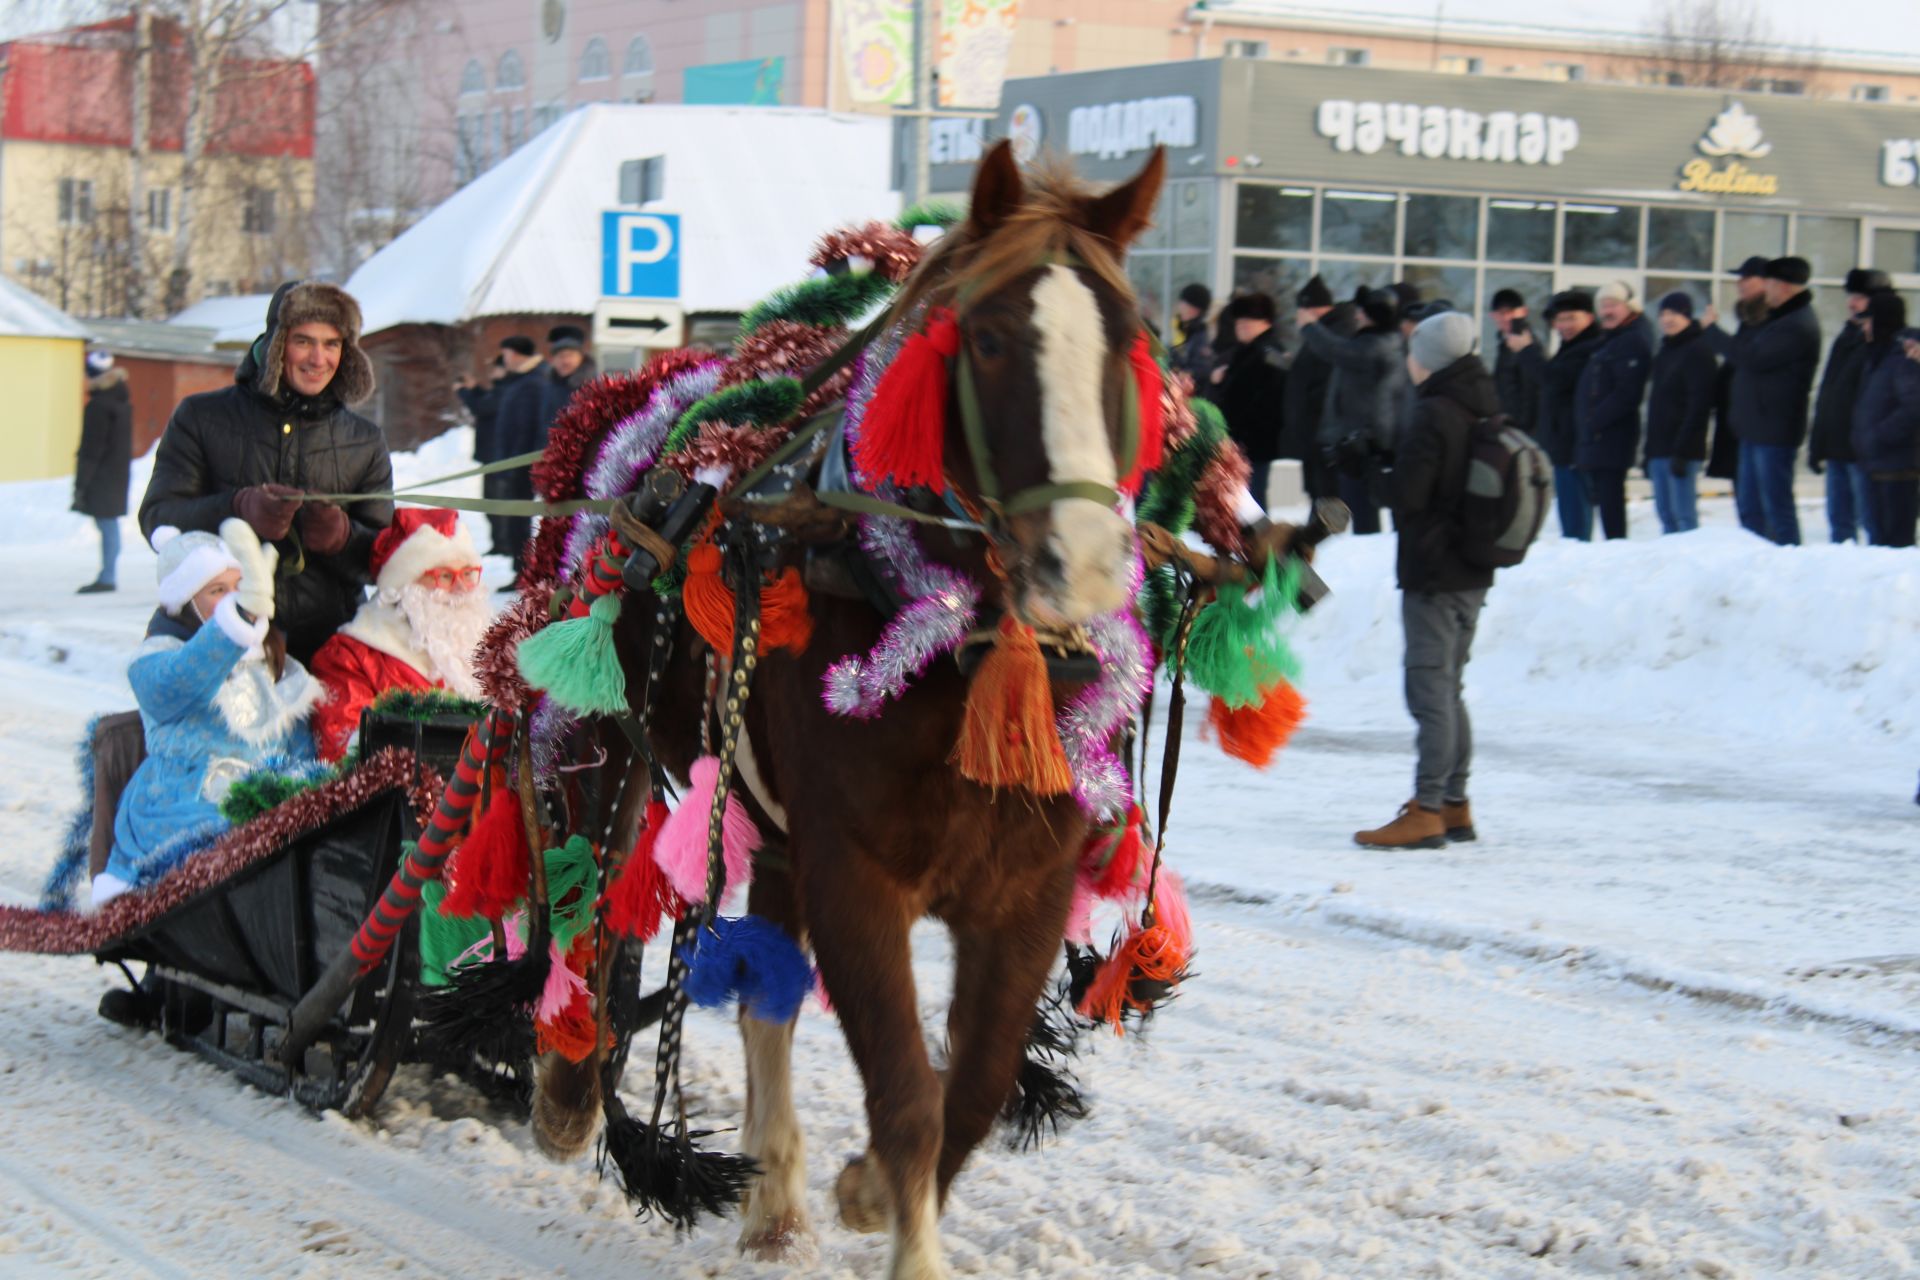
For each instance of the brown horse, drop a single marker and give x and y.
(877, 827)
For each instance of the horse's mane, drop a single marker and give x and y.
(969, 265)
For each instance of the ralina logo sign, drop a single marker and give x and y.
(1735, 132)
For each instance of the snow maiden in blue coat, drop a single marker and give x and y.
(212, 704)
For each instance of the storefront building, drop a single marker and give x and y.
(1464, 186)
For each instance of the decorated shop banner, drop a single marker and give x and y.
(976, 39)
(877, 37)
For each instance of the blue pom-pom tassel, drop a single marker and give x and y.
(751, 960)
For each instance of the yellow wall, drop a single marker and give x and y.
(45, 392)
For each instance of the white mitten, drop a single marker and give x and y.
(257, 565)
(250, 636)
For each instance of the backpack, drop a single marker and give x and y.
(1509, 488)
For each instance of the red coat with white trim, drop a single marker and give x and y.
(355, 673)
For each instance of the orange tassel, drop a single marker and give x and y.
(1008, 737)
(574, 1034)
(490, 870)
(903, 434)
(1254, 733)
(1153, 955)
(786, 611)
(1153, 432)
(643, 896)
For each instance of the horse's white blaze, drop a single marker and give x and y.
(776, 1209)
(1089, 538)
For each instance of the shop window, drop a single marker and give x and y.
(1279, 278)
(509, 74)
(1345, 275)
(1520, 230)
(1357, 221)
(1245, 49)
(639, 60)
(1680, 239)
(1742, 235)
(1565, 71)
(1455, 64)
(1453, 284)
(1147, 273)
(1443, 227)
(1192, 221)
(1534, 287)
(1831, 245)
(1603, 235)
(76, 202)
(1658, 287)
(1184, 269)
(1343, 57)
(596, 63)
(1273, 217)
(1868, 93)
(1897, 252)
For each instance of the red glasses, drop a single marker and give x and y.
(449, 579)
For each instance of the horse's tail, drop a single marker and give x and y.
(566, 1105)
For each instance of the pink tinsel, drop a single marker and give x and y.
(681, 849)
(563, 985)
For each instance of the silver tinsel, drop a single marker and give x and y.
(919, 633)
(1087, 725)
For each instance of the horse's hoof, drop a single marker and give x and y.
(787, 1240)
(862, 1196)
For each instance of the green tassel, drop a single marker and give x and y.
(443, 939)
(575, 662)
(572, 890)
(1236, 651)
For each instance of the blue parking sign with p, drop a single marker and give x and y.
(639, 254)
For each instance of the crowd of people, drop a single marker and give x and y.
(1673, 394)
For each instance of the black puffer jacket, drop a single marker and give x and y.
(1832, 437)
(1430, 478)
(100, 470)
(220, 442)
(1253, 396)
(1518, 381)
(1773, 376)
(1680, 396)
(1559, 380)
(1364, 397)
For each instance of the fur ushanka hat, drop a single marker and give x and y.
(312, 302)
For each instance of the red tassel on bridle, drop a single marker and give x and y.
(1153, 430)
(903, 433)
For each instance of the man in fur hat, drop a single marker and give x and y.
(283, 431)
(418, 631)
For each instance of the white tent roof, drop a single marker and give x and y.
(238, 319)
(24, 314)
(754, 188)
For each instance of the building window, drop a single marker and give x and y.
(1455, 64)
(643, 181)
(257, 211)
(509, 74)
(1830, 245)
(474, 79)
(1603, 235)
(1565, 71)
(1662, 78)
(595, 62)
(1443, 227)
(160, 209)
(1358, 222)
(639, 59)
(1245, 49)
(1343, 57)
(1776, 84)
(1520, 230)
(76, 202)
(1869, 93)
(1679, 239)
(1273, 218)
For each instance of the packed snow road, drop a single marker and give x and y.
(1633, 1029)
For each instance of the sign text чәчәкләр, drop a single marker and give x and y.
(1447, 133)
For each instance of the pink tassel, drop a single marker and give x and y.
(563, 984)
(681, 849)
(820, 992)
(1170, 908)
(1080, 914)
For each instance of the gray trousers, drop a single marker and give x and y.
(1439, 627)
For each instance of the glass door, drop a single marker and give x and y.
(1894, 247)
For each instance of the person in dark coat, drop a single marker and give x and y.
(1571, 315)
(1253, 391)
(569, 368)
(281, 431)
(1517, 380)
(1606, 407)
(1830, 444)
(489, 440)
(104, 461)
(1308, 379)
(1441, 593)
(1886, 422)
(1679, 407)
(1361, 424)
(520, 423)
(1750, 312)
(1772, 386)
(1192, 350)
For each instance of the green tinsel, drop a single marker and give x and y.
(443, 939)
(930, 213)
(264, 789)
(575, 662)
(821, 302)
(1235, 650)
(764, 402)
(426, 704)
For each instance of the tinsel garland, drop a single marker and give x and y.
(893, 251)
(1088, 724)
(496, 667)
(822, 301)
(786, 347)
(634, 445)
(725, 446)
(71, 933)
(556, 477)
(1216, 506)
(766, 403)
(929, 213)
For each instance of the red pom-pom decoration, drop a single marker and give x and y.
(903, 433)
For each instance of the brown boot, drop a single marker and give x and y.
(1457, 815)
(1414, 828)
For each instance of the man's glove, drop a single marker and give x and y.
(269, 508)
(324, 528)
(257, 564)
(1815, 465)
(1677, 466)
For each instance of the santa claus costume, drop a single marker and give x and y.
(418, 631)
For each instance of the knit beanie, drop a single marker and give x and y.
(1442, 339)
(1679, 302)
(186, 563)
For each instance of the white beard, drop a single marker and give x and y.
(446, 627)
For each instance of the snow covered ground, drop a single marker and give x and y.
(1638, 1028)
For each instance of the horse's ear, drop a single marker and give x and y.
(1125, 211)
(997, 189)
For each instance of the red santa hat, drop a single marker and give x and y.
(419, 539)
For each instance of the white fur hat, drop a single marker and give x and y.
(1618, 291)
(188, 562)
